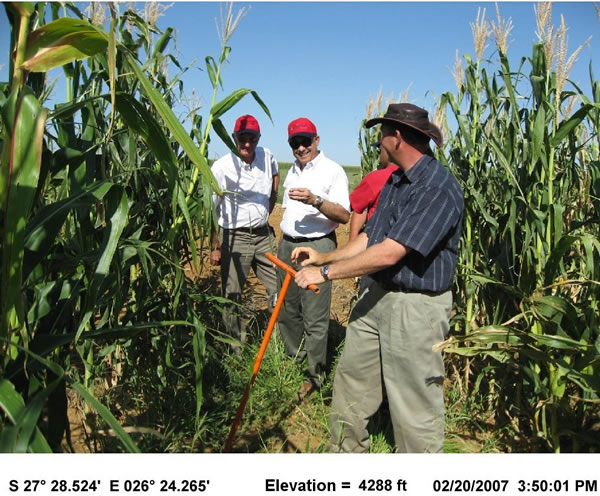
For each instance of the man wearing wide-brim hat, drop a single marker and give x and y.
(409, 250)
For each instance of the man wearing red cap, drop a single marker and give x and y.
(315, 202)
(409, 251)
(250, 184)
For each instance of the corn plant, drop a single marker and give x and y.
(369, 155)
(527, 289)
(100, 205)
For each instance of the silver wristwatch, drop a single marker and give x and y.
(318, 202)
(325, 272)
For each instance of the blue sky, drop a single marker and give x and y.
(324, 60)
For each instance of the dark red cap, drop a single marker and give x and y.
(246, 124)
(301, 127)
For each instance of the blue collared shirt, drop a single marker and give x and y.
(423, 210)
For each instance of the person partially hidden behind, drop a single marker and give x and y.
(409, 250)
(364, 198)
(315, 202)
(250, 184)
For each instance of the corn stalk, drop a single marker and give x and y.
(527, 286)
(91, 251)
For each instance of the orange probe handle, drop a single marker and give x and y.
(289, 270)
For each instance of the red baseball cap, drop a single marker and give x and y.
(246, 124)
(301, 127)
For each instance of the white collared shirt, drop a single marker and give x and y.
(324, 178)
(247, 189)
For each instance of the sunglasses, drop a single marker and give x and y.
(298, 141)
(247, 138)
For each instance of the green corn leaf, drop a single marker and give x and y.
(498, 355)
(262, 104)
(552, 267)
(483, 210)
(225, 53)
(29, 417)
(67, 110)
(559, 342)
(199, 348)
(145, 125)
(463, 121)
(44, 344)
(547, 308)
(43, 229)
(26, 421)
(590, 243)
(557, 211)
(162, 43)
(494, 334)
(211, 69)
(25, 161)
(117, 209)
(538, 73)
(172, 122)
(538, 134)
(8, 439)
(224, 135)
(567, 127)
(21, 8)
(13, 406)
(512, 290)
(137, 117)
(229, 101)
(108, 417)
(111, 61)
(61, 42)
(528, 371)
(128, 443)
(183, 206)
(500, 156)
(42, 305)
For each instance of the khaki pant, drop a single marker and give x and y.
(241, 251)
(388, 348)
(305, 315)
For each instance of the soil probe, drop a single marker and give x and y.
(265, 342)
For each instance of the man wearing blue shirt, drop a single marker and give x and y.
(409, 250)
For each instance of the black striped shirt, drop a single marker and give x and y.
(423, 210)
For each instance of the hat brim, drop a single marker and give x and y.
(307, 135)
(435, 135)
(247, 131)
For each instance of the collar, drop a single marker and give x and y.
(313, 163)
(245, 164)
(415, 172)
